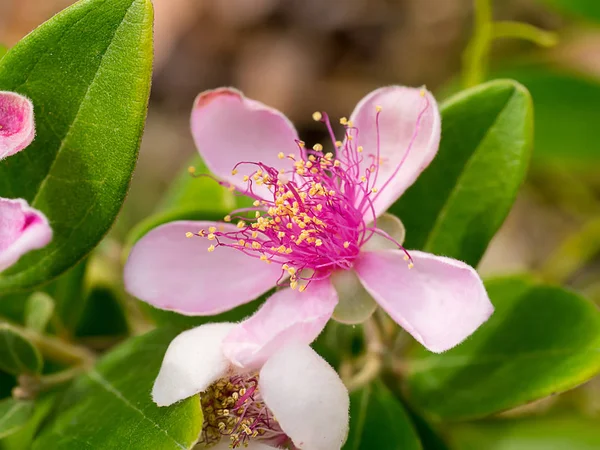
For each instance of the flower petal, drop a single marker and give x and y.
(307, 397)
(440, 301)
(407, 143)
(192, 363)
(173, 272)
(22, 229)
(17, 127)
(225, 444)
(229, 128)
(287, 316)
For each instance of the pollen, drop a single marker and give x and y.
(281, 155)
(189, 234)
(318, 147)
(317, 116)
(211, 248)
(227, 218)
(378, 108)
(234, 172)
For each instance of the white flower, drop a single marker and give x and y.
(295, 400)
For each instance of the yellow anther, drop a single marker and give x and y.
(318, 147)
(317, 116)
(302, 288)
(405, 257)
(201, 233)
(254, 234)
(281, 234)
(411, 265)
(360, 149)
(242, 242)
(257, 214)
(319, 207)
(331, 193)
(378, 108)
(231, 188)
(363, 179)
(289, 226)
(192, 169)
(422, 92)
(256, 203)
(301, 143)
(338, 143)
(234, 172)
(293, 284)
(188, 234)
(246, 178)
(212, 229)
(336, 163)
(328, 156)
(318, 242)
(285, 267)
(227, 218)
(263, 257)
(374, 190)
(280, 155)
(211, 237)
(256, 245)
(350, 123)
(344, 121)
(241, 224)
(211, 248)
(346, 244)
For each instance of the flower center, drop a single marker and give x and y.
(313, 218)
(234, 408)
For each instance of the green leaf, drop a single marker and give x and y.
(87, 71)
(459, 202)
(110, 407)
(14, 415)
(17, 354)
(22, 437)
(38, 311)
(565, 114)
(378, 420)
(540, 340)
(3, 50)
(585, 8)
(543, 433)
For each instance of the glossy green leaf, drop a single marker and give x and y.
(566, 114)
(17, 354)
(540, 340)
(22, 437)
(14, 415)
(540, 433)
(378, 420)
(459, 202)
(38, 311)
(589, 9)
(87, 71)
(111, 408)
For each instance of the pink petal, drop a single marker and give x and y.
(17, 127)
(173, 272)
(440, 301)
(229, 128)
(406, 148)
(22, 229)
(307, 397)
(287, 316)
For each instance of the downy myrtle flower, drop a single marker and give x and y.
(17, 128)
(317, 227)
(295, 400)
(22, 228)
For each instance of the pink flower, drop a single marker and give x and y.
(294, 400)
(317, 225)
(17, 128)
(22, 228)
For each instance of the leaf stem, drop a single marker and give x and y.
(475, 56)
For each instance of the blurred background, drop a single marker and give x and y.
(306, 55)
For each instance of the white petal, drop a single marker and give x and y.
(307, 397)
(193, 362)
